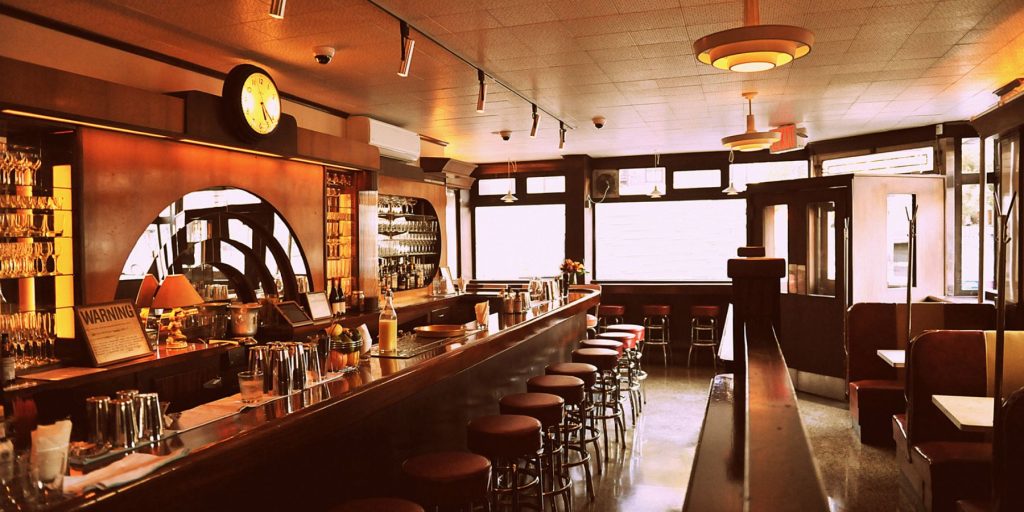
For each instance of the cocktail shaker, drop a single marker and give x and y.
(98, 419)
(125, 423)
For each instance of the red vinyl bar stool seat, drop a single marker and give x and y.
(608, 314)
(509, 440)
(617, 346)
(448, 479)
(378, 505)
(656, 321)
(549, 410)
(628, 339)
(637, 330)
(704, 332)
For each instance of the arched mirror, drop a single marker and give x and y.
(230, 243)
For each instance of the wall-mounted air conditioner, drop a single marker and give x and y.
(393, 142)
(605, 183)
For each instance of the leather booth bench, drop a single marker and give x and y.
(876, 389)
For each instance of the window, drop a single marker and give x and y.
(821, 264)
(641, 181)
(545, 185)
(740, 175)
(711, 178)
(496, 186)
(519, 242)
(668, 241)
(899, 208)
(890, 162)
(776, 234)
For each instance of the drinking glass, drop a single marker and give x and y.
(250, 385)
(46, 472)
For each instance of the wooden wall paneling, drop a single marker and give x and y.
(127, 180)
(577, 232)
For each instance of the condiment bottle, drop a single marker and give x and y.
(387, 329)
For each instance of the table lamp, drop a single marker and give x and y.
(147, 291)
(176, 292)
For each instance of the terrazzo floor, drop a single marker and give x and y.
(649, 472)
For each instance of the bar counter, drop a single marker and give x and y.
(347, 438)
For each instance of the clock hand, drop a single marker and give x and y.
(266, 115)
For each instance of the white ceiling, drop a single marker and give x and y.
(876, 65)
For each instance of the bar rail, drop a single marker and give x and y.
(753, 452)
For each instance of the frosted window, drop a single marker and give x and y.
(711, 178)
(641, 181)
(668, 241)
(742, 175)
(519, 242)
(545, 185)
(496, 186)
(890, 162)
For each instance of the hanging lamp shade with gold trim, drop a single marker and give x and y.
(751, 140)
(753, 47)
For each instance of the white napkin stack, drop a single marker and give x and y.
(50, 447)
(367, 340)
(128, 469)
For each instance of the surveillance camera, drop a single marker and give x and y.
(599, 122)
(323, 54)
(505, 134)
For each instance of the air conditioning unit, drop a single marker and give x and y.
(605, 183)
(394, 142)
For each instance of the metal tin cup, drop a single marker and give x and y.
(281, 370)
(299, 365)
(97, 414)
(314, 371)
(125, 433)
(127, 393)
(259, 361)
(150, 418)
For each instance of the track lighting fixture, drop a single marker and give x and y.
(407, 47)
(481, 95)
(561, 135)
(536, 122)
(277, 8)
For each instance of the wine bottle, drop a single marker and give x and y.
(7, 373)
(335, 299)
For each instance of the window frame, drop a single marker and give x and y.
(983, 177)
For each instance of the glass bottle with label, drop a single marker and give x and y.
(387, 328)
(7, 372)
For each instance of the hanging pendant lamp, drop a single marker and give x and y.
(509, 197)
(753, 47)
(751, 140)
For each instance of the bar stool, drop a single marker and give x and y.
(635, 354)
(609, 314)
(571, 391)
(605, 343)
(448, 479)
(507, 439)
(549, 410)
(378, 505)
(656, 321)
(591, 326)
(628, 367)
(703, 332)
(580, 427)
(608, 406)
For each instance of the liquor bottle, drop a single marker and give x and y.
(387, 327)
(7, 373)
(402, 277)
(335, 299)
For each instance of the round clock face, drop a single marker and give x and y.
(261, 104)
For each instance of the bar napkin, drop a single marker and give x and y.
(49, 447)
(483, 311)
(128, 469)
(367, 340)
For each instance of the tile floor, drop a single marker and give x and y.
(651, 471)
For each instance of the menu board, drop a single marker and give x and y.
(112, 332)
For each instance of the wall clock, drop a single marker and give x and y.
(252, 102)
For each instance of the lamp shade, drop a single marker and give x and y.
(147, 290)
(176, 292)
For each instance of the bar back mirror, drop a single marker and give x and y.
(230, 243)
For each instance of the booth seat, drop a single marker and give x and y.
(941, 463)
(1010, 472)
(876, 389)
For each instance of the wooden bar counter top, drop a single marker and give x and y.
(347, 438)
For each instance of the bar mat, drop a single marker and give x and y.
(411, 345)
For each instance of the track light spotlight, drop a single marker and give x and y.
(481, 96)
(407, 47)
(561, 135)
(277, 8)
(536, 122)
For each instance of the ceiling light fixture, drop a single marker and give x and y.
(277, 9)
(751, 140)
(656, 194)
(536, 122)
(481, 96)
(509, 197)
(407, 46)
(753, 47)
(561, 135)
(731, 190)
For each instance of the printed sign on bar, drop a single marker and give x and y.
(112, 332)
